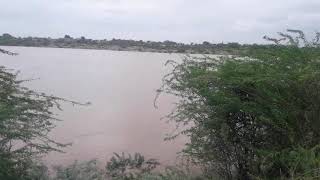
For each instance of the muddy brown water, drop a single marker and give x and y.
(121, 87)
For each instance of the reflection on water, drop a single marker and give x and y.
(121, 87)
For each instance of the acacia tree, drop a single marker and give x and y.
(26, 118)
(251, 116)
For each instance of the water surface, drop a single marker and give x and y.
(121, 87)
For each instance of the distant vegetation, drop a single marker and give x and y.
(126, 45)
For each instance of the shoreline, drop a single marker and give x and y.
(109, 49)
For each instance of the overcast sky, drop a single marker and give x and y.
(244, 21)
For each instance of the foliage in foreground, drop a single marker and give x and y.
(256, 116)
(26, 118)
(119, 167)
(122, 167)
(80, 171)
(129, 167)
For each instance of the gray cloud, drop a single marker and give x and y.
(179, 20)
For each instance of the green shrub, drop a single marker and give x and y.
(89, 170)
(252, 116)
(26, 119)
(129, 167)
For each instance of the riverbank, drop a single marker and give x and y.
(124, 45)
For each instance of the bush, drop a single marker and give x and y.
(243, 110)
(129, 167)
(26, 118)
(89, 170)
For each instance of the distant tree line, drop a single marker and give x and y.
(127, 45)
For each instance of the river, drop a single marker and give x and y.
(121, 87)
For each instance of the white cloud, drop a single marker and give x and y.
(179, 20)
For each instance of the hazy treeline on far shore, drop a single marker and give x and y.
(127, 45)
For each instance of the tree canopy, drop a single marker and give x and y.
(256, 115)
